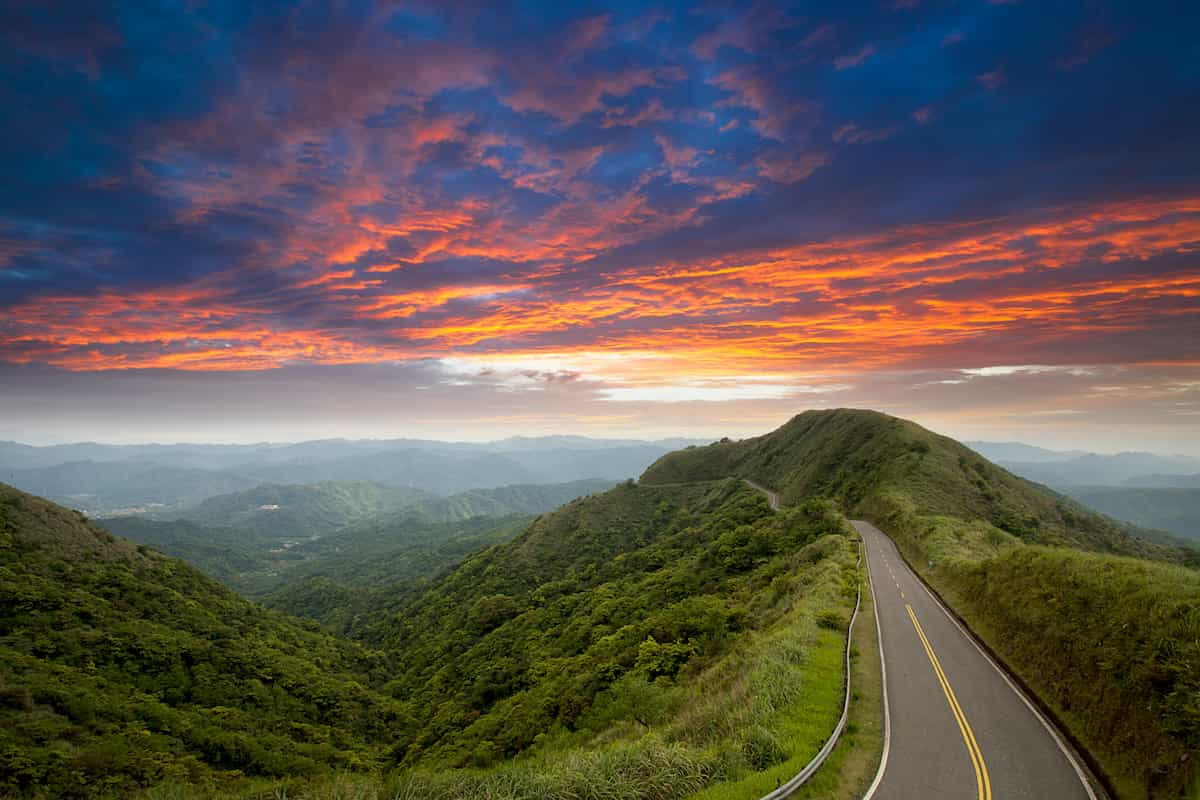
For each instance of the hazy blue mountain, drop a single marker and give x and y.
(419, 469)
(109, 479)
(1095, 469)
(1166, 481)
(1020, 452)
(103, 486)
(1174, 510)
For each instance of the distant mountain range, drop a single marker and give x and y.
(1080, 468)
(107, 479)
(1153, 491)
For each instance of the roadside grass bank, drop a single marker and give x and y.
(851, 766)
(803, 727)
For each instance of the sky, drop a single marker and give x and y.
(230, 221)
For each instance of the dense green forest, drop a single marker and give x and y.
(271, 538)
(1124, 631)
(602, 644)
(343, 579)
(122, 668)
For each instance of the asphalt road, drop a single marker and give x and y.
(957, 727)
(772, 497)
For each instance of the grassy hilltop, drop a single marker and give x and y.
(872, 463)
(1109, 641)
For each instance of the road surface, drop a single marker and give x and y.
(772, 497)
(958, 729)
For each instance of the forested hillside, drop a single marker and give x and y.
(274, 536)
(618, 624)
(302, 511)
(602, 643)
(120, 668)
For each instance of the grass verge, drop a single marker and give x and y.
(851, 766)
(805, 725)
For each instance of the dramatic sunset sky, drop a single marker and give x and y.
(237, 221)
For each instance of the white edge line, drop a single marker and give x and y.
(887, 712)
(1079, 771)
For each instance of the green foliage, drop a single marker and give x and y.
(610, 645)
(857, 457)
(1112, 643)
(532, 636)
(301, 511)
(123, 668)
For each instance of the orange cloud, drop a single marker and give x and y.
(899, 297)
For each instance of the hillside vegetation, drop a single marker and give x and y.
(347, 577)
(1108, 639)
(120, 668)
(590, 603)
(300, 510)
(269, 538)
(641, 643)
(1132, 695)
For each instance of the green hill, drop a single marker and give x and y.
(555, 630)
(121, 667)
(360, 534)
(644, 642)
(536, 498)
(297, 511)
(223, 553)
(1104, 640)
(877, 465)
(345, 577)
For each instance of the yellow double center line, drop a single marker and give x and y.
(982, 781)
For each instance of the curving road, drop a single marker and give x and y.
(955, 727)
(772, 497)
